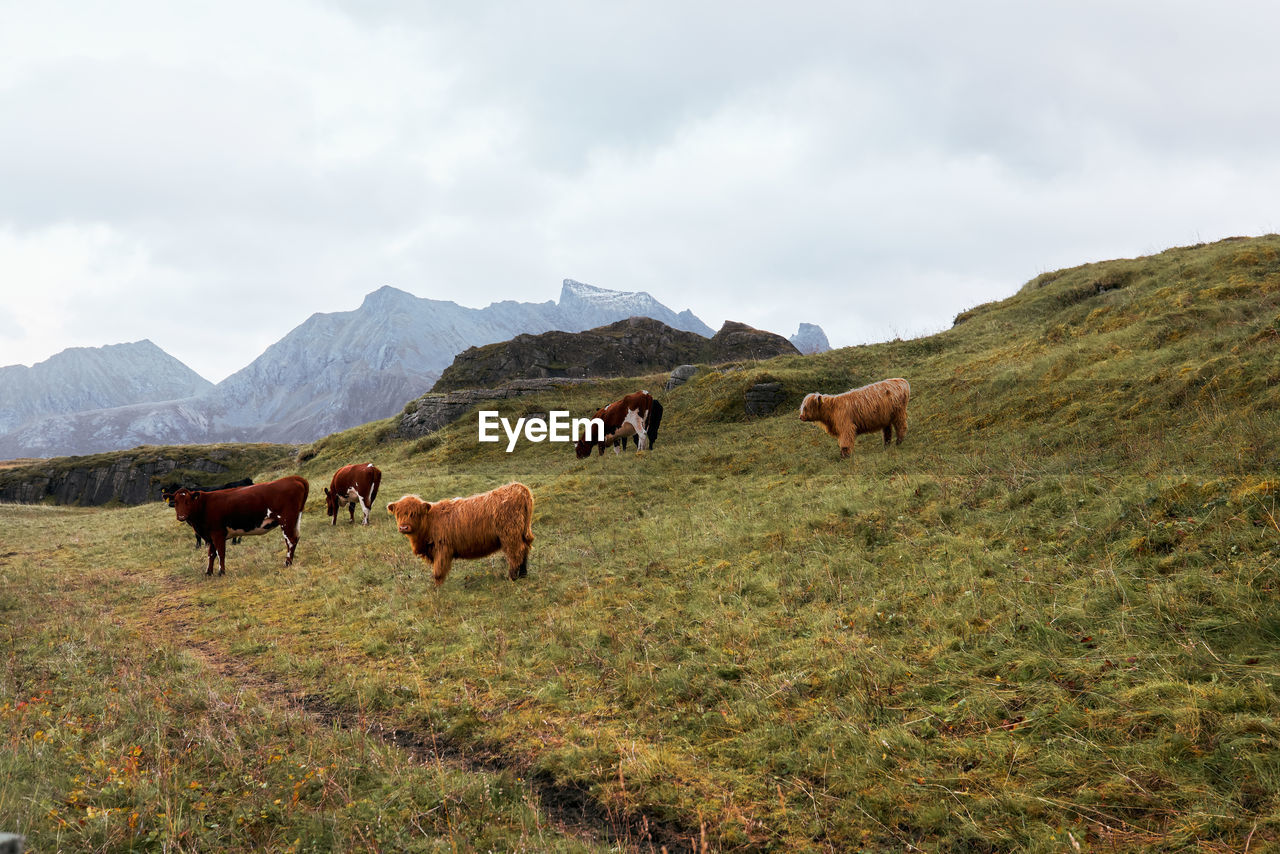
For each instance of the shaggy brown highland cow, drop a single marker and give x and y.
(471, 527)
(878, 406)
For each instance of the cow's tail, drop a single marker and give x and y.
(306, 490)
(527, 534)
(373, 493)
(655, 421)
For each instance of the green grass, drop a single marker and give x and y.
(1050, 616)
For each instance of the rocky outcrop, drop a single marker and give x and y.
(433, 411)
(637, 345)
(736, 342)
(680, 376)
(810, 339)
(128, 477)
(763, 398)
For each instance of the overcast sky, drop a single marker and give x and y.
(208, 175)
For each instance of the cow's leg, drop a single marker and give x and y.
(888, 434)
(639, 425)
(364, 508)
(441, 565)
(517, 555)
(290, 531)
(847, 440)
(900, 427)
(218, 546)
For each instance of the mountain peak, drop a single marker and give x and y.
(810, 338)
(386, 296)
(586, 306)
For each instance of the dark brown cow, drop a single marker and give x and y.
(351, 485)
(167, 492)
(626, 417)
(247, 510)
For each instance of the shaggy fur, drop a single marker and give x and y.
(471, 527)
(878, 406)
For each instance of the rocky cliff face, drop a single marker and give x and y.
(810, 339)
(85, 378)
(130, 477)
(433, 411)
(637, 345)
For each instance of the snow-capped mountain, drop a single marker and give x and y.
(585, 307)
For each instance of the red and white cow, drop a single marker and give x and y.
(247, 510)
(628, 416)
(351, 485)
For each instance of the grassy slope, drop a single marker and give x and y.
(1052, 611)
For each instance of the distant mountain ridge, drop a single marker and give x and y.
(84, 378)
(334, 371)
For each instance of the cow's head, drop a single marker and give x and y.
(411, 514)
(811, 407)
(186, 503)
(331, 504)
(583, 448)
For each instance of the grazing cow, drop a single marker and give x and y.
(879, 406)
(655, 420)
(252, 509)
(351, 485)
(167, 491)
(628, 416)
(471, 527)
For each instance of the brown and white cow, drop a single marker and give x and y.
(351, 485)
(472, 527)
(628, 416)
(244, 511)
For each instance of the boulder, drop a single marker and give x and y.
(764, 398)
(681, 375)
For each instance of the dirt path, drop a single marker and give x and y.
(571, 809)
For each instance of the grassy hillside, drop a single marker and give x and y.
(1048, 620)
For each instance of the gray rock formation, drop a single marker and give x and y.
(637, 345)
(764, 398)
(810, 339)
(680, 376)
(435, 410)
(128, 477)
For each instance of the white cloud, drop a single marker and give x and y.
(210, 176)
